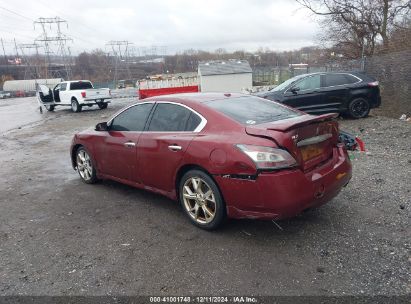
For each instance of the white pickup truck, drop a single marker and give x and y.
(75, 94)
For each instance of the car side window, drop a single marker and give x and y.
(309, 83)
(338, 79)
(132, 119)
(350, 79)
(169, 117)
(63, 86)
(193, 121)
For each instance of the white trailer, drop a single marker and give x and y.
(29, 85)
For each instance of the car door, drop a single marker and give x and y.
(119, 147)
(63, 93)
(336, 90)
(56, 93)
(305, 94)
(44, 95)
(162, 146)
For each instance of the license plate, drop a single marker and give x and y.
(311, 151)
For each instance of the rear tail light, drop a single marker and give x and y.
(83, 94)
(373, 84)
(268, 158)
(109, 92)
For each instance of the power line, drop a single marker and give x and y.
(15, 13)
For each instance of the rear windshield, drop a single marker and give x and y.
(251, 110)
(81, 85)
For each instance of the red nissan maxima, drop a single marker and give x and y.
(220, 155)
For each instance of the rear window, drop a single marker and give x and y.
(81, 85)
(251, 110)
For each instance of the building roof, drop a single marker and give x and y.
(224, 67)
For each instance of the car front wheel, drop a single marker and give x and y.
(201, 200)
(49, 108)
(85, 166)
(359, 108)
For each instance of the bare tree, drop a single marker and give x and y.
(356, 26)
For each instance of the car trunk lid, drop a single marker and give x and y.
(310, 139)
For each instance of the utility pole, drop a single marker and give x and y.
(5, 56)
(31, 60)
(59, 39)
(121, 58)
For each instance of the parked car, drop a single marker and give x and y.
(4, 94)
(346, 93)
(75, 94)
(221, 155)
(19, 94)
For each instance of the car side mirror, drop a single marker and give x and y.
(102, 126)
(295, 90)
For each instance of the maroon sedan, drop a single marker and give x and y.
(221, 155)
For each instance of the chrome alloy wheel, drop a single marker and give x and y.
(199, 200)
(84, 166)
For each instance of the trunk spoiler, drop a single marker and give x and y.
(288, 124)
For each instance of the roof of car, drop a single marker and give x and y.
(195, 97)
(336, 72)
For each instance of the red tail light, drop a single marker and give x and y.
(83, 94)
(267, 157)
(373, 84)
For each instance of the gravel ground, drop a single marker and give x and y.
(59, 236)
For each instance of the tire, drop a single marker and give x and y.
(75, 107)
(102, 105)
(85, 167)
(201, 200)
(359, 108)
(49, 108)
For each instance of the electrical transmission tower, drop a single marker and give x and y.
(121, 58)
(52, 36)
(30, 60)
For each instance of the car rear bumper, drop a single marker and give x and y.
(276, 195)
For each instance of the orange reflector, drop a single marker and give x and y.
(340, 175)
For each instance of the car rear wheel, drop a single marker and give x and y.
(75, 107)
(201, 200)
(49, 108)
(102, 105)
(85, 166)
(359, 108)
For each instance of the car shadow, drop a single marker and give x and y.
(175, 215)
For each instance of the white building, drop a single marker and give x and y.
(225, 76)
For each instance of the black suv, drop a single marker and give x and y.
(316, 93)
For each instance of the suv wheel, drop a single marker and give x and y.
(359, 108)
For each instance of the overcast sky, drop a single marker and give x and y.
(177, 24)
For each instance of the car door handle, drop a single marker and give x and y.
(130, 144)
(174, 148)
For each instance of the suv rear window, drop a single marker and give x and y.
(251, 110)
(80, 85)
